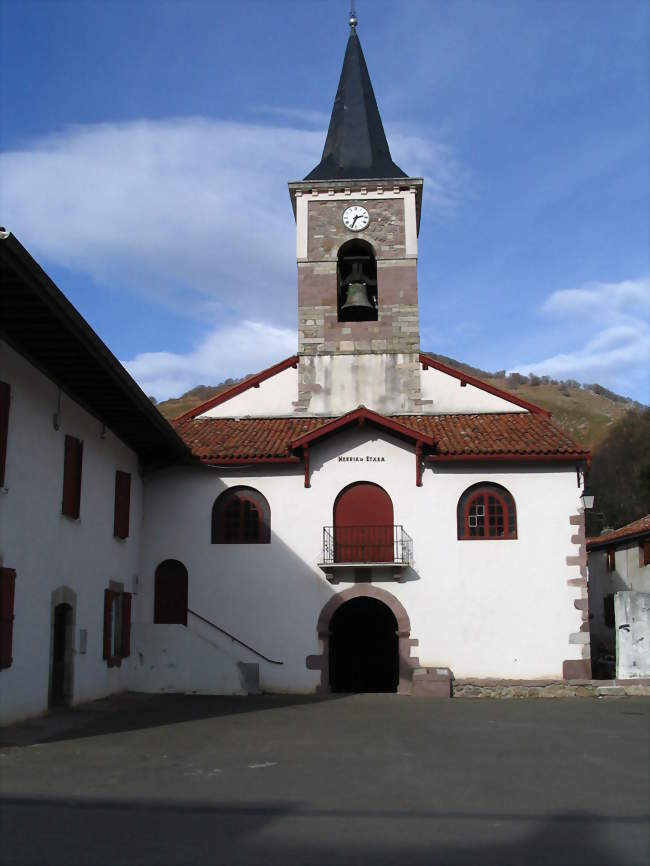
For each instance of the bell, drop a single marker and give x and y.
(357, 299)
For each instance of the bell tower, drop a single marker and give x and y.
(357, 220)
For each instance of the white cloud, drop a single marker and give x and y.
(231, 351)
(192, 213)
(615, 351)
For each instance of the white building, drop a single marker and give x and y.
(619, 599)
(315, 527)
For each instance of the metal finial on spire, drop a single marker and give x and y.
(353, 20)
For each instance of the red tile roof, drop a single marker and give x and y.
(516, 436)
(624, 533)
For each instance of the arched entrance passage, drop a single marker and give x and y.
(363, 653)
(363, 524)
(170, 594)
(406, 663)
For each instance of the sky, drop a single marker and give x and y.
(146, 146)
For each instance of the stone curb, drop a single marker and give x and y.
(546, 689)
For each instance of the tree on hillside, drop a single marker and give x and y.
(620, 473)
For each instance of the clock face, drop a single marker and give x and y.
(355, 218)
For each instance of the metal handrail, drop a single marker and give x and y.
(367, 544)
(232, 637)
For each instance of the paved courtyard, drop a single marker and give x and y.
(361, 779)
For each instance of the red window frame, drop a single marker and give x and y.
(123, 649)
(7, 592)
(232, 517)
(72, 465)
(122, 504)
(5, 399)
(497, 509)
(610, 559)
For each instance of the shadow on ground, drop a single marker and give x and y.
(131, 712)
(43, 832)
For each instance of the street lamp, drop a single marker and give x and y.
(587, 499)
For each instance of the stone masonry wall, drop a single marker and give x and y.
(396, 331)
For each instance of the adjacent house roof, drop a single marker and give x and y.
(502, 436)
(356, 145)
(43, 326)
(638, 529)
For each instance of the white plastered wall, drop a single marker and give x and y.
(273, 398)
(485, 609)
(448, 396)
(50, 551)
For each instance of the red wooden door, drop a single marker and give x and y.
(363, 524)
(170, 598)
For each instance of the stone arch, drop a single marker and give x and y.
(407, 664)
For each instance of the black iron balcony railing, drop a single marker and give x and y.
(367, 544)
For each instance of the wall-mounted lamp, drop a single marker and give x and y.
(587, 499)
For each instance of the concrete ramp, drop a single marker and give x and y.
(173, 658)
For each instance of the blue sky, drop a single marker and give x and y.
(146, 146)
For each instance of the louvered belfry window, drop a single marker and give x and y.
(486, 511)
(73, 458)
(122, 504)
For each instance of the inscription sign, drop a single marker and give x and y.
(367, 459)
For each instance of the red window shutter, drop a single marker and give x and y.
(108, 623)
(7, 585)
(5, 397)
(645, 553)
(126, 625)
(122, 504)
(72, 476)
(611, 560)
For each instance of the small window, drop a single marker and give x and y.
(7, 585)
(610, 558)
(241, 515)
(117, 626)
(73, 458)
(122, 504)
(486, 511)
(608, 611)
(5, 397)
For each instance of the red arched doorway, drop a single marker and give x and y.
(363, 647)
(363, 524)
(170, 595)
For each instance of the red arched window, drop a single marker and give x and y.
(486, 511)
(241, 515)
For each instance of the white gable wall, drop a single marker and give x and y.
(449, 396)
(50, 551)
(273, 398)
(483, 608)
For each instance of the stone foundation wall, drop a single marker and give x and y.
(551, 689)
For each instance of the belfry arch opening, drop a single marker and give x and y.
(363, 647)
(356, 273)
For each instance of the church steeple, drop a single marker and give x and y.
(356, 145)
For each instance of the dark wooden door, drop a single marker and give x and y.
(61, 653)
(363, 524)
(170, 599)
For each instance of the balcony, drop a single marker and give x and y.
(366, 547)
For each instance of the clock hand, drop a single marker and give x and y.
(356, 218)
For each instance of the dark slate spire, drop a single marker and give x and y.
(356, 145)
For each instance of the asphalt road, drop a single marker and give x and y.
(363, 779)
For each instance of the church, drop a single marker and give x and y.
(357, 517)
